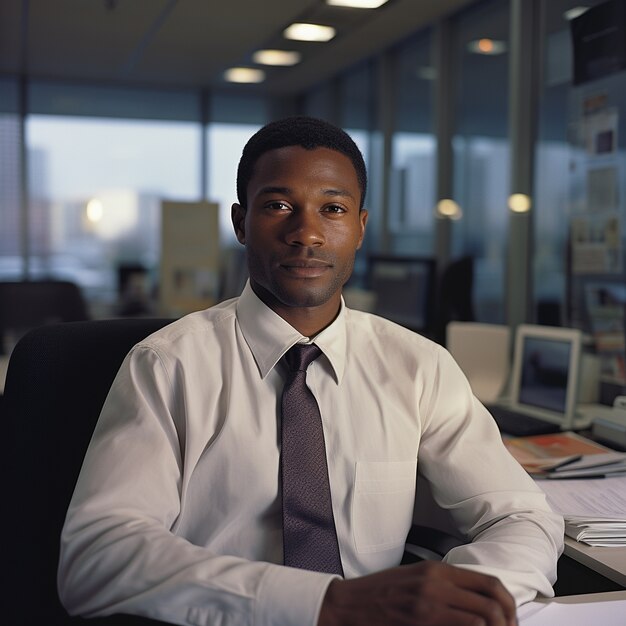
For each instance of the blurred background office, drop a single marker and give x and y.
(493, 138)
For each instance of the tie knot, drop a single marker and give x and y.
(300, 356)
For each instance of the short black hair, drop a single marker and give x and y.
(299, 130)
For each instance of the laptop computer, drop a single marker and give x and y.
(544, 383)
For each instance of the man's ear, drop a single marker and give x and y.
(238, 216)
(363, 215)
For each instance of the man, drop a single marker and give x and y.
(178, 512)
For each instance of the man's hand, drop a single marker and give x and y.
(423, 594)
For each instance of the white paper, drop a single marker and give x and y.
(556, 613)
(603, 498)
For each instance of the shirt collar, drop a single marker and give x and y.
(269, 336)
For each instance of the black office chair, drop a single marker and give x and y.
(455, 301)
(57, 381)
(31, 303)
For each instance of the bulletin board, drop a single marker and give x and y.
(597, 251)
(190, 257)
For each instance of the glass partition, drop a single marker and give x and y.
(413, 149)
(11, 262)
(553, 163)
(481, 152)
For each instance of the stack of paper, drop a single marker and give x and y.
(607, 532)
(552, 456)
(594, 510)
(593, 501)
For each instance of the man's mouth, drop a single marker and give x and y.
(305, 268)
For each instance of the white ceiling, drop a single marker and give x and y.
(189, 43)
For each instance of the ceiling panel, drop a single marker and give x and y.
(10, 40)
(191, 42)
(200, 39)
(78, 38)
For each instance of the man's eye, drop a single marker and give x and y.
(278, 206)
(335, 208)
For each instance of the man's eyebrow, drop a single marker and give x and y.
(274, 189)
(343, 193)
(269, 189)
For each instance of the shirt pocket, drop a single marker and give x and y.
(382, 504)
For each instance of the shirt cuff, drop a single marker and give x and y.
(291, 597)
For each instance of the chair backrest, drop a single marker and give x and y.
(455, 301)
(57, 381)
(483, 351)
(28, 304)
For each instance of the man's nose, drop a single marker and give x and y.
(305, 229)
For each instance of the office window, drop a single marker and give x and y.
(233, 120)
(10, 183)
(95, 188)
(321, 102)
(356, 111)
(356, 107)
(481, 152)
(412, 175)
(225, 144)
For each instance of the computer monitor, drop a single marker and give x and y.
(404, 288)
(545, 373)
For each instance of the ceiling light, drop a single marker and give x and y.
(244, 75)
(519, 203)
(276, 57)
(309, 32)
(572, 14)
(487, 46)
(448, 208)
(357, 4)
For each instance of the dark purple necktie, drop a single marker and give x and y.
(309, 535)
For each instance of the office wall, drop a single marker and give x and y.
(389, 103)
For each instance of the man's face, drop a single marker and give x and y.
(301, 228)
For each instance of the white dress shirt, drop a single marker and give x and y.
(177, 511)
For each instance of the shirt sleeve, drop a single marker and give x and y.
(513, 533)
(119, 549)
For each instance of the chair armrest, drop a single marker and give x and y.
(117, 620)
(426, 543)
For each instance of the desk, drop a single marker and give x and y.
(582, 568)
(607, 565)
(605, 608)
(608, 562)
(588, 597)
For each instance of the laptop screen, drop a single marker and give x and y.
(545, 372)
(544, 376)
